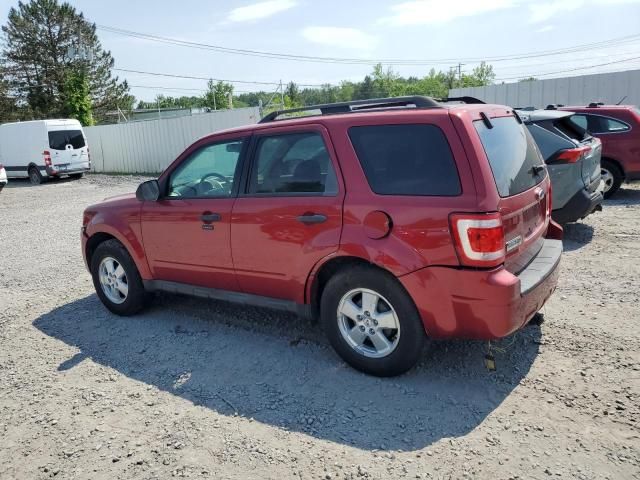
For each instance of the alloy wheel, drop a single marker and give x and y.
(368, 323)
(113, 280)
(608, 179)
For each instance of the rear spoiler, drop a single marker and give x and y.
(464, 99)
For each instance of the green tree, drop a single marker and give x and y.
(76, 98)
(46, 44)
(218, 95)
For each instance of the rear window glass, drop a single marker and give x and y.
(512, 154)
(58, 140)
(406, 160)
(548, 143)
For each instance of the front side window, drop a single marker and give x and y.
(208, 172)
(412, 159)
(292, 164)
(59, 139)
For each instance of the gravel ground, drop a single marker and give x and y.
(202, 389)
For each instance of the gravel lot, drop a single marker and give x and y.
(200, 389)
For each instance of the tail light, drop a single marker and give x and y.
(1, 166)
(571, 155)
(47, 158)
(479, 238)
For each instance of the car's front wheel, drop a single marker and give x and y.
(372, 322)
(116, 279)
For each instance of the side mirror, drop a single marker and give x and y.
(148, 191)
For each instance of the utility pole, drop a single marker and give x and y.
(460, 71)
(282, 94)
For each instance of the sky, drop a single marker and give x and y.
(436, 34)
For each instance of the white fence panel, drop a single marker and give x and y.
(579, 90)
(149, 146)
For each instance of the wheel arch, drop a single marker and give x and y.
(95, 238)
(616, 163)
(327, 268)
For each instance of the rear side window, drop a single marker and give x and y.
(58, 140)
(599, 124)
(293, 164)
(512, 154)
(406, 160)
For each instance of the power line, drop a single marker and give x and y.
(568, 70)
(361, 61)
(193, 77)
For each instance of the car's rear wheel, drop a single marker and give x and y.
(612, 177)
(35, 177)
(76, 176)
(372, 322)
(116, 279)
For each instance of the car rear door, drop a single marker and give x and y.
(290, 213)
(67, 147)
(523, 187)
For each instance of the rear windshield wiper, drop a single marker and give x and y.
(537, 170)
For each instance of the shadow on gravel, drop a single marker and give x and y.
(279, 370)
(624, 196)
(576, 236)
(25, 183)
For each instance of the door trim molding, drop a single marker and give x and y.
(302, 310)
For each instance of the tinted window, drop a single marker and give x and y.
(406, 159)
(296, 163)
(598, 124)
(580, 120)
(58, 140)
(548, 143)
(207, 172)
(512, 154)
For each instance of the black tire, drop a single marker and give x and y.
(412, 336)
(35, 177)
(136, 296)
(616, 173)
(76, 176)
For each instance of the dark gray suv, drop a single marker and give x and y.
(572, 156)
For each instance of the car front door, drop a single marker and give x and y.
(290, 213)
(186, 233)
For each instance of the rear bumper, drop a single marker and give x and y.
(68, 170)
(581, 204)
(479, 304)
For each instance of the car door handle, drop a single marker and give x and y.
(309, 218)
(209, 217)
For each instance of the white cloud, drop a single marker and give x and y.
(546, 28)
(541, 12)
(425, 12)
(340, 37)
(257, 11)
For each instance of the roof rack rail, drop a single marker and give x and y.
(464, 99)
(554, 106)
(595, 104)
(358, 105)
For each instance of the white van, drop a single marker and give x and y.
(44, 148)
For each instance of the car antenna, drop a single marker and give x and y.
(622, 100)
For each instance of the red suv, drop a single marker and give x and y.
(618, 127)
(393, 220)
